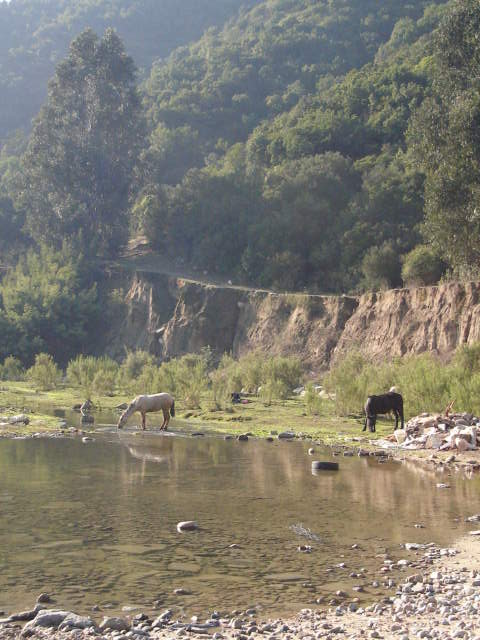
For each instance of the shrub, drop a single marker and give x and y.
(44, 374)
(422, 267)
(225, 379)
(149, 380)
(286, 370)
(313, 401)
(12, 369)
(132, 367)
(348, 382)
(93, 374)
(381, 267)
(249, 375)
(273, 389)
(425, 383)
(191, 379)
(221, 382)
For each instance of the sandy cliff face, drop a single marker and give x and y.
(408, 321)
(171, 317)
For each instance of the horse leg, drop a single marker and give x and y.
(373, 423)
(395, 411)
(165, 419)
(365, 425)
(143, 421)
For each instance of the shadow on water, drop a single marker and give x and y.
(96, 523)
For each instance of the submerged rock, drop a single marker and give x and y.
(187, 525)
(44, 598)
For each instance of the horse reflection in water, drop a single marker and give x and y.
(145, 456)
(146, 404)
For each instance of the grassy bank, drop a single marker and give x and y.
(203, 387)
(256, 416)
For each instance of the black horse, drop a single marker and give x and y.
(383, 404)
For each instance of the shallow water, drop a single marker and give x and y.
(95, 524)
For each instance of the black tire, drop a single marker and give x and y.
(324, 466)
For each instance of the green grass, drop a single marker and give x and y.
(286, 415)
(255, 417)
(20, 397)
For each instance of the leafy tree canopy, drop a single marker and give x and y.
(34, 37)
(47, 305)
(85, 142)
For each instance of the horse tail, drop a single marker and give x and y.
(172, 409)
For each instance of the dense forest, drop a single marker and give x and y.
(35, 36)
(326, 145)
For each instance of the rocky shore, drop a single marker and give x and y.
(431, 593)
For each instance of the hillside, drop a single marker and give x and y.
(34, 36)
(310, 145)
(288, 128)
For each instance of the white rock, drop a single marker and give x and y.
(187, 525)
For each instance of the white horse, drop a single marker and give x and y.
(145, 404)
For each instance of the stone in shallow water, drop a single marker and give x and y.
(187, 525)
(44, 598)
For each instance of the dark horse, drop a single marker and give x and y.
(383, 404)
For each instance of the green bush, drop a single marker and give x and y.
(313, 401)
(93, 374)
(44, 374)
(132, 367)
(250, 372)
(191, 379)
(12, 369)
(221, 382)
(149, 381)
(422, 267)
(425, 382)
(347, 380)
(381, 267)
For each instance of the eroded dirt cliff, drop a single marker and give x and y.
(170, 316)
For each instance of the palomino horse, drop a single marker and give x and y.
(145, 404)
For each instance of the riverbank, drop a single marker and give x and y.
(430, 593)
(51, 414)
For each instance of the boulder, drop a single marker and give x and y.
(435, 440)
(461, 444)
(20, 419)
(72, 621)
(115, 624)
(46, 618)
(162, 618)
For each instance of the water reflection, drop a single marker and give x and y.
(96, 523)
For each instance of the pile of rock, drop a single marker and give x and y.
(6, 421)
(460, 431)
